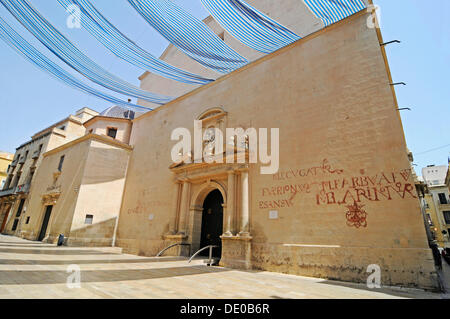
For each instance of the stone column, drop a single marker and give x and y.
(230, 207)
(195, 227)
(184, 207)
(244, 205)
(176, 201)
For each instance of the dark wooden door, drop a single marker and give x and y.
(5, 219)
(48, 212)
(212, 223)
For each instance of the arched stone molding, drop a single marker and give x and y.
(196, 209)
(199, 197)
(214, 113)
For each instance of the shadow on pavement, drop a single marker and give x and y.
(54, 251)
(19, 243)
(86, 262)
(60, 277)
(27, 246)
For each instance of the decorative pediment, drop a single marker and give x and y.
(213, 114)
(50, 198)
(228, 157)
(188, 164)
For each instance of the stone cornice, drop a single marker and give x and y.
(100, 138)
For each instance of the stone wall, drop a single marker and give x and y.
(344, 195)
(91, 182)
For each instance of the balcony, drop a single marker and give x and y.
(14, 163)
(36, 154)
(23, 189)
(7, 192)
(22, 159)
(444, 206)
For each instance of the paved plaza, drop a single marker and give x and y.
(36, 270)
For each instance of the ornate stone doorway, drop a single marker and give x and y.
(212, 223)
(211, 198)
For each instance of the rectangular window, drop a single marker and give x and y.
(129, 114)
(61, 162)
(89, 219)
(447, 217)
(30, 177)
(28, 220)
(16, 222)
(19, 210)
(8, 182)
(17, 179)
(442, 198)
(112, 132)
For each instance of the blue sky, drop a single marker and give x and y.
(31, 100)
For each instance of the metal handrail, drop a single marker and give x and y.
(173, 245)
(202, 249)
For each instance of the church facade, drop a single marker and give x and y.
(343, 198)
(340, 202)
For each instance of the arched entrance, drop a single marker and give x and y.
(212, 223)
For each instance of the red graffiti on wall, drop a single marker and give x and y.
(356, 216)
(339, 189)
(372, 188)
(324, 168)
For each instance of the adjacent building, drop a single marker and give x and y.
(5, 161)
(437, 202)
(79, 185)
(26, 161)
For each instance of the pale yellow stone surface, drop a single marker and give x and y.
(341, 141)
(35, 270)
(99, 125)
(91, 182)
